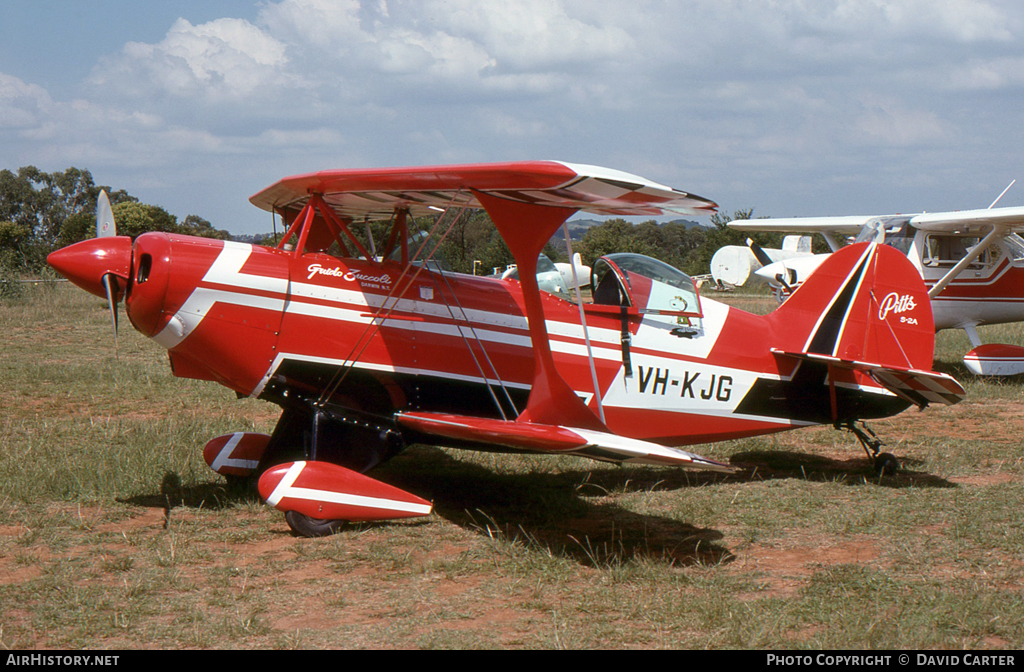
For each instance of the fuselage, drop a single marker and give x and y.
(277, 325)
(989, 292)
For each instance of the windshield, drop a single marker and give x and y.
(651, 268)
(1014, 245)
(647, 284)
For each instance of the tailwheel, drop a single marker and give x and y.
(886, 464)
(304, 526)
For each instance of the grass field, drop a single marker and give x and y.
(115, 534)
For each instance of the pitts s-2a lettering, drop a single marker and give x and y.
(368, 350)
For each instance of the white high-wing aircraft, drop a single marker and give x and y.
(972, 262)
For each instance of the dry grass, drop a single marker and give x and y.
(114, 534)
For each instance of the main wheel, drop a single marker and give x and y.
(304, 526)
(886, 464)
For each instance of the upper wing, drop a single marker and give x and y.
(375, 193)
(964, 221)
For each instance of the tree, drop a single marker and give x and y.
(13, 237)
(52, 208)
(617, 235)
(195, 225)
(134, 218)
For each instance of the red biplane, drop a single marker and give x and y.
(369, 347)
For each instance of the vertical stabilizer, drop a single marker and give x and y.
(866, 309)
(865, 303)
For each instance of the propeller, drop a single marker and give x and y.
(784, 281)
(759, 254)
(102, 265)
(109, 281)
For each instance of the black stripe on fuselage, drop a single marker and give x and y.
(420, 392)
(806, 398)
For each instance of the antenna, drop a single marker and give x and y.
(1001, 195)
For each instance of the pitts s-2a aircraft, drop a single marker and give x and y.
(370, 347)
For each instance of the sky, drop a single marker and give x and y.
(789, 107)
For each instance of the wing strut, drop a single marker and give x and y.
(583, 321)
(397, 290)
(551, 401)
(479, 341)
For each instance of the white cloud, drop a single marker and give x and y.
(888, 123)
(993, 74)
(223, 60)
(961, 20)
(755, 101)
(22, 105)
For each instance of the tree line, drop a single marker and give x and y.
(473, 244)
(41, 212)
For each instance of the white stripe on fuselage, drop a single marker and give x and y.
(225, 270)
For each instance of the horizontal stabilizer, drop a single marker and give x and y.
(327, 491)
(543, 438)
(916, 386)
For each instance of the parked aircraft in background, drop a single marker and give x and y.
(972, 262)
(735, 265)
(549, 276)
(575, 273)
(555, 278)
(366, 354)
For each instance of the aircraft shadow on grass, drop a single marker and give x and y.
(569, 514)
(554, 513)
(764, 465)
(214, 495)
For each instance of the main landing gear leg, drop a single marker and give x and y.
(885, 464)
(342, 436)
(301, 524)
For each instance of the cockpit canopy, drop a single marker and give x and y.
(645, 284)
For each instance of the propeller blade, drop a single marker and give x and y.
(110, 285)
(759, 254)
(105, 225)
